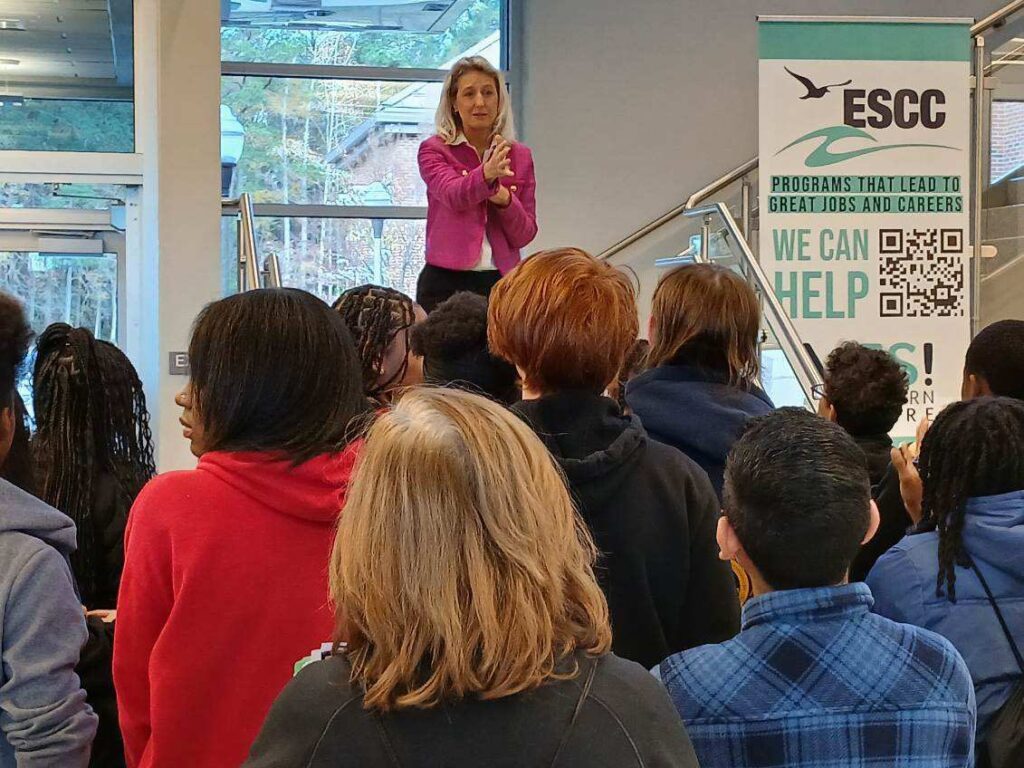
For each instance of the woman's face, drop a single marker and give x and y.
(192, 427)
(476, 101)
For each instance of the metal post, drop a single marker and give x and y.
(746, 214)
(705, 240)
(978, 179)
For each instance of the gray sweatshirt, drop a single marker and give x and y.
(44, 718)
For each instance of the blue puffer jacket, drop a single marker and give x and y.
(903, 583)
(695, 410)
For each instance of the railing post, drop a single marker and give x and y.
(705, 239)
(746, 214)
(978, 179)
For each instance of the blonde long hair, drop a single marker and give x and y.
(460, 566)
(447, 122)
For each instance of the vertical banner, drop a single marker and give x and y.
(864, 205)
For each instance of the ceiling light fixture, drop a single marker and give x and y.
(9, 62)
(14, 25)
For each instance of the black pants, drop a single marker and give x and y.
(435, 284)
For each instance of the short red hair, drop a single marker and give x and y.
(565, 319)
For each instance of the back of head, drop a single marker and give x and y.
(460, 567)
(975, 448)
(706, 315)
(798, 496)
(275, 370)
(565, 319)
(453, 344)
(15, 335)
(996, 355)
(867, 388)
(376, 316)
(91, 423)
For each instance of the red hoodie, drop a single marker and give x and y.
(224, 589)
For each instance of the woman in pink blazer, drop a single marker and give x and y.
(480, 187)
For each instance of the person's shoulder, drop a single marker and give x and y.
(915, 556)
(676, 467)
(901, 648)
(320, 690)
(434, 143)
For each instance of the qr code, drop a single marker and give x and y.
(921, 273)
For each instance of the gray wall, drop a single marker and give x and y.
(631, 105)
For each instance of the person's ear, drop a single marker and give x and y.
(728, 542)
(8, 426)
(873, 524)
(974, 386)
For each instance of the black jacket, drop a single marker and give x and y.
(653, 513)
(626, 719)
(894, 523)
(877, 451)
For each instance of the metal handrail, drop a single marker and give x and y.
(785, 332)
(695, 199)
(722, 182)
(996, 17)
(248, 270)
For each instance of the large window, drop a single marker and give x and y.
(323, 111)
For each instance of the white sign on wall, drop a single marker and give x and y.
(864, 171)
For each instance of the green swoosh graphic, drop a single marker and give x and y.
(823, 155)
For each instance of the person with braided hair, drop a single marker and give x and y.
(44, 716)
(93, 448)
(380, 320)
(972, 467)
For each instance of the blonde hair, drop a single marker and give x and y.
(460, 566)
(447, 121)
(711, 315)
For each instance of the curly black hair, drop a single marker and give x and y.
(867, 387)
(453, 344)
(974, 448)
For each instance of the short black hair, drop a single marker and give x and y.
(974, 448)
(798, 496)
(996, 354)
(15, 337)
(453, 344)
(275, 370)
(867, 387)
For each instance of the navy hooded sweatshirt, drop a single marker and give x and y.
(695, 410)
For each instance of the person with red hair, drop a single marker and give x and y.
(566, 321)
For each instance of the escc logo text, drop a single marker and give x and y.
(880, 108)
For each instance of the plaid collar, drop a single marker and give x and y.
(801, 606)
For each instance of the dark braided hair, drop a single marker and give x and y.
(375, 315)
(974, 448)
(91, 421)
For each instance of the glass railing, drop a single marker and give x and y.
(251, 274)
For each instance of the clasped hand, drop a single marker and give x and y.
(498, 165)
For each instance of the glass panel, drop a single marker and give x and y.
(384, 33)
(63, 287)
(67, 126)
(328, 256)
(1007, 153)
(91, 196)
(332, 142)
(67, 80)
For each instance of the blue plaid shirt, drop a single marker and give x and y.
(815, 679)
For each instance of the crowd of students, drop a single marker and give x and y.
(507, 534)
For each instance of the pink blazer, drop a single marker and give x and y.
(458, 213)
